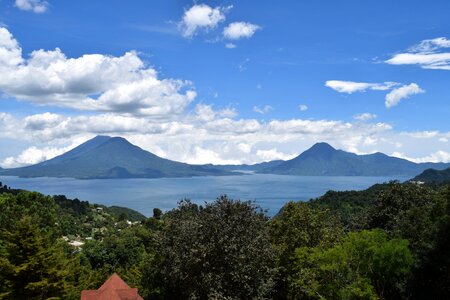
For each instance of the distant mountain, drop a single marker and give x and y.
(434, 176)
(111, 157)
(247, 168)
(323, 160)
(115, 157)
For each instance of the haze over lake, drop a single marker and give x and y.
(269, 191)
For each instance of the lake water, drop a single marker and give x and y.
(269, 191)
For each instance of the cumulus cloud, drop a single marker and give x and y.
(207, 136)
(423, 134)
(120, 90)
(238, 30)
(204, 156)
(36, 6)
(206, 113)
(230, 45)
(201, 17)
(351, 87)
(262, 110)
(398, 94)
(428, 54)
(273, 154)
(121, 84)
(303, 107)
(438, 156)
(395, 95)
(32, 155)
(364, 117)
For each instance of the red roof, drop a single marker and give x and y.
(113, 289)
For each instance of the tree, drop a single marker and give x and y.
(220, 251)
(431, 278)
(300, 225)
(365, 265)
(31, 267)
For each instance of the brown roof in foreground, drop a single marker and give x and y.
(113, 289)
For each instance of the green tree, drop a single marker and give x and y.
(220, 251)
(366, 265)
(41, 209)
(431, 278)
(31, 267)
(406, 210)
(300, 225)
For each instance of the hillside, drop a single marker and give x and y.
(111, 157)
(247, 168)
(324, 160)
(434, 176)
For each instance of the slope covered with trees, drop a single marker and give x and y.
(434, 176)
(388, 242)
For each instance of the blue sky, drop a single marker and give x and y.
(225, 81)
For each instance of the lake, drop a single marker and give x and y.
(269, 191)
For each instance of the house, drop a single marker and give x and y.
(113, 289)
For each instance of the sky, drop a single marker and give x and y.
(225, 82)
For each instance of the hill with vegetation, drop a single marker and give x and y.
(390, 241)
(111, 157)
(114, 157)
(434, 176)
(323, 160)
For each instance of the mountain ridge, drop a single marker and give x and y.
(434, 176)
(105, 157)
(111, 157)
(324, 160)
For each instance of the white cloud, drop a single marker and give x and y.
(244, 147)
(392, 98)
(36, 6)
(122, 84)
(126, 89)
(438, 156)
(230, 45)
(262, 110)
(206, 136)
(303, 107)
(238, 30)
(427, 46)
(10, 51)
(423, 134)
(201, 17)
(396, 95)
(273, 154)
(32, 155)
(428, 54)
(204, 156)
(350, 87)
(206, 113)
(365, 117)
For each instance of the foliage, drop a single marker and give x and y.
(219, 251)
(31, 267)
(366, 265)
(434, 176)
(300, 225)
(129, 214)
(409, 211)
(431, 278)
(230, 250)
(350, 206)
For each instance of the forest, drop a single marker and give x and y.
(391, 241)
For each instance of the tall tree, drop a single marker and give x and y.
(220, 251)
(300, 225)
(366, 265)
(31, 267)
